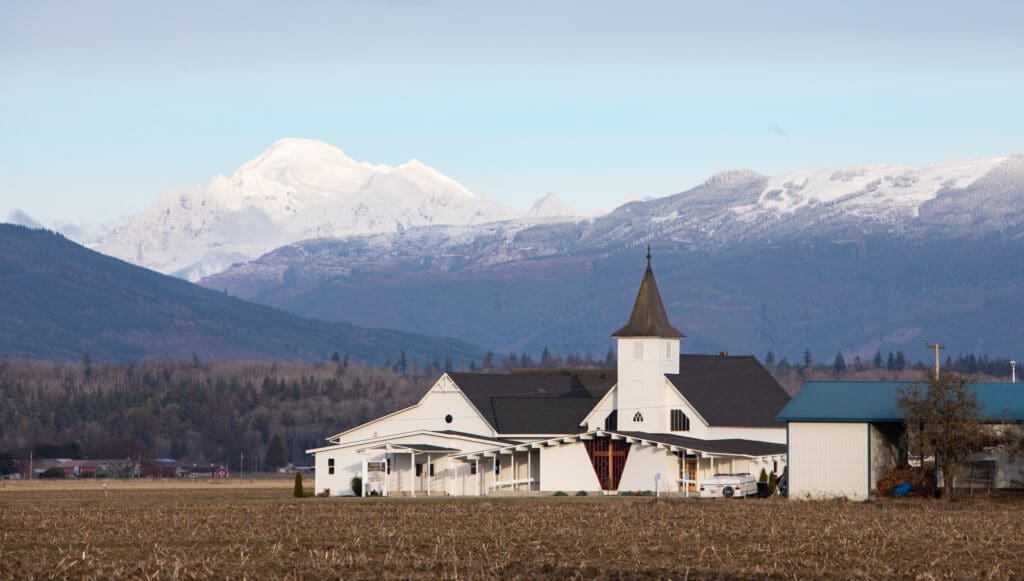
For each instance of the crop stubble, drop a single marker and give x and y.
(184, 532)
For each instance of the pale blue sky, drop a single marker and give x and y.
(103, 105)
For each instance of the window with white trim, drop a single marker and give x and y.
(330, 465)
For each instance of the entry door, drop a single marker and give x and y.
(688, 471)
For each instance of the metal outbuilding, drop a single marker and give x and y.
(842, 437)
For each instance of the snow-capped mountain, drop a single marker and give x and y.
(550, 206)
(297, 189)
(853, 259)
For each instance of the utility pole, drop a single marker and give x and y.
(241, 464)
(936, 347)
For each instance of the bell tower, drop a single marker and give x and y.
(648, 349)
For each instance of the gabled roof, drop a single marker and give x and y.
(536, 402)
(648, 318)
(730, 390)
(875, 401)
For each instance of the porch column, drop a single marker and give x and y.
(412, 472)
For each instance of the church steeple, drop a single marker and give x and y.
(648, 318)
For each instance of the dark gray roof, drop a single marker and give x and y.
(648, 318)
(536, 402)
(730, 390)
(730, 446)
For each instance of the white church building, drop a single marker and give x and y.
(660, 419)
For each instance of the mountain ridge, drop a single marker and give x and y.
(62, 301)
(563, 282)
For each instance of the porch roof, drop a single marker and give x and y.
(672, 443)
(421, 448)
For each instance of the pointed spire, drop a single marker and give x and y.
(648, 318)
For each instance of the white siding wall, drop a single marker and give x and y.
(646, 461)
(443, 399)
(828, 460)
(641, 382)
(567, 468)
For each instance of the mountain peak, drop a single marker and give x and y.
(550, 206)
(732, 177)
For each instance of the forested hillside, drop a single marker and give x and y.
(63, 301)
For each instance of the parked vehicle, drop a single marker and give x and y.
(728, 486)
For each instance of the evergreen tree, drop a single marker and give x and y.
(336, 358)
(298, 492)
(488, 363)
(87, 366)
(877, 361)
(839, 364)
(890, 363)
(610, 360)
(402, 365)
(275, 453)
(808, 359)
(448, 366)
(900, 362)
(769, 359)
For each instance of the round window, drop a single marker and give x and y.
(448, 419)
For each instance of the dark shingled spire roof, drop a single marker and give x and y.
(648, 318)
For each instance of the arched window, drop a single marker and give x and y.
(638, 417)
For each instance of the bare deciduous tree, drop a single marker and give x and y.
(943, 420)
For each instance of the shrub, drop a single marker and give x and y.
(357, 485)
(763, 477)
(325, 493)
(298, 491)
(581, 493)
(559, 493)
(773, 483)
(54, 472)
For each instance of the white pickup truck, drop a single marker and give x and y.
(728, 486)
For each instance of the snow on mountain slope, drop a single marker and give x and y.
(297, 189)
(550, 206)
(869, 191)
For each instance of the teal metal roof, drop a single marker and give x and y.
(875, 401)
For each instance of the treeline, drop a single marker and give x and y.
(191, 410)
(216, 411)
(893, 366)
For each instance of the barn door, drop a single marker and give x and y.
(609, 459)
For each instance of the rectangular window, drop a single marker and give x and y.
(330, 465)
(497, 465)
(419, 470)
(387, 466)
(678, 421)
(431, 469)
(638, 350)
(472, 467)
